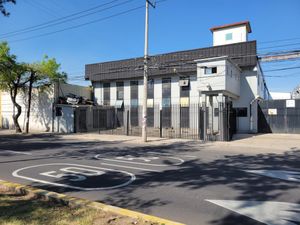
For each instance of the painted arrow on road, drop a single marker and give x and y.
(268, 212)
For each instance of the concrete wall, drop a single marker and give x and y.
(227, 77)
(41, 116)
(64, 123)
(41, 110)
(239, 34)
(232, 80)
(247, 94)
(207, 82)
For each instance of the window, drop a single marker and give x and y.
(134, 109)
(210, 70)
(120, 90)
(150, 103)
(150, 88)
(241, 112)
(166, 102)
(106, 94)
(228, 36)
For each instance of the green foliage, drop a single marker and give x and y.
(45, 73)
(2, 8)
(10, 70)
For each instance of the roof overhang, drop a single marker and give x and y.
(242, 23)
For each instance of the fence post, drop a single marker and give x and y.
(127, 123)
(160, 123)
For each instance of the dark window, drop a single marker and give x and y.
(134, 109)
(185, 117)
(185, 90)
(120, 90)
(150, 89)
(184, 108)
(166, 88)
(150, 117)
(134, 92)
(210, 70)
(241, 112)
(216, 112)
(166, 102)
(106, 94)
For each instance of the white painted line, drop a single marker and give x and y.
(16, 152)
(279, 174)
(145, 164)
(129, 167)
(165, 154)
(16, 174)
(267, 212)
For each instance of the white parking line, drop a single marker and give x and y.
(129, 167)
(16, 152)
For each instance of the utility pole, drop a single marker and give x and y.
(144, 125)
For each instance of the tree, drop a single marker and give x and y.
(12, 78)
(41, 75)
(2, 8)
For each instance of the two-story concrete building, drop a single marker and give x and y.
(206, 93)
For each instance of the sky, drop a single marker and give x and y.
(111, 34)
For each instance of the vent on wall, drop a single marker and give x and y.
(184, 83)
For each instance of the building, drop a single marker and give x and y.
(207, 93)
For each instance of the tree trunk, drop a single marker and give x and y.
(13, 95)
(29, 102)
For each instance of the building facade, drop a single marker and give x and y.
(204, 91)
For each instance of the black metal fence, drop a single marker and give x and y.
(279, 116)
(174, 121)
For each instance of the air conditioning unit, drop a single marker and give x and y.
(184, 83)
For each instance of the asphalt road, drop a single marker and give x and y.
(186, 182)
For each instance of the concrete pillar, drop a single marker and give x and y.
(222, 128)
(203, 106)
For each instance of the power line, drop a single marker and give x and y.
(277, 46)
(80, 25)
(285, 68)
(280, 40)
(62, 20)
(85, 24)
(58, 19)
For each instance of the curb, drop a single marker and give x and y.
(78, 202)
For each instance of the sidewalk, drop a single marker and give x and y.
(256, 143)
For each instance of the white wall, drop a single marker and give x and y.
(239, 34)
(65, 123)
(215, 81)
(98, 93)
(41, 110)
(233, 75)
(247, 94)
(41, 117)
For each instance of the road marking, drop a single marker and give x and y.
(16, 152)
(140, 163)
(129, 167)
(166, 154)
(16, 174)
(280, 174)
(268, 212)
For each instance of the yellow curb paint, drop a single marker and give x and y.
(96, 205)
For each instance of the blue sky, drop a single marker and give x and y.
(174, 25)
